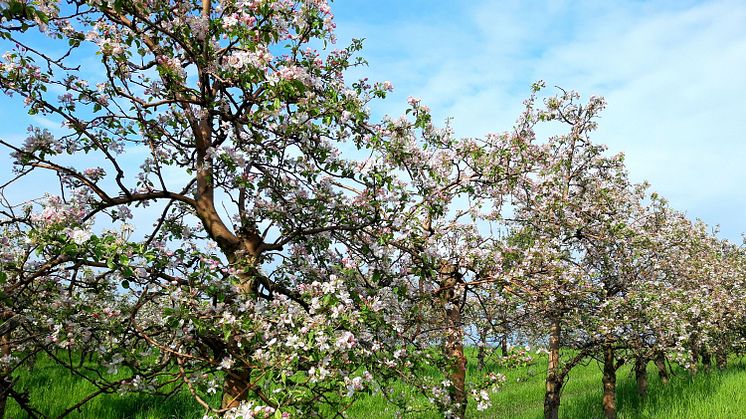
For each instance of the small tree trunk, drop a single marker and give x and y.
(237, 384)
(641, 375)
(236, 387)
(660, 363)
(609, 382)
(695, 358)
(457, 372)
(554, 378)
(482, 349)
(83, 355)
(6, 381)
(706, 360)
(454, 341)
(418, 321)
(721, 358)
(504, 345)
(5, 385)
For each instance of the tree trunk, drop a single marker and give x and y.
(6, 381)
(454, 342)
(554, 378)
(418, 320)
(5, 386)
(660, 363)
(480, 357)
(641, 375)
(482, 348)
(706, 360)
(457, 370)
(609, 382)
(504, 345)
(695, 357)
(236, 386)
(721, 358)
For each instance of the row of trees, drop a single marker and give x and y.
(292, 279)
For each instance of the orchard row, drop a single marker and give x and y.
(194, 226)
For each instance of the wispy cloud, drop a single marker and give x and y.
(672, 73)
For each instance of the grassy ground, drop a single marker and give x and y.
(716, 394)
(54, 389)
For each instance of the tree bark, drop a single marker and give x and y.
(5, 386)
(706, 360)
(6, 381)
(504, 345)
(660, 363)
(695, 355)
(237, 382)
(236, 387)
(454, 341)
(721, 358)
(481, 353)
(641, 375)
(609, 382)
(554, 377)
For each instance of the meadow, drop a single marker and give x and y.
(709, 394)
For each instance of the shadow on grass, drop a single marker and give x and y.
(682, 391)
(133, 406)
(52, 389)
(139, 406)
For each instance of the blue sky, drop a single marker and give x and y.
(673, 73)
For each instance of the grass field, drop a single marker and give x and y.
(716, 394)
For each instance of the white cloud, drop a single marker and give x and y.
(672, 73)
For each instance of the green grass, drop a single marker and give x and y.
(54, 389)
(716, 394)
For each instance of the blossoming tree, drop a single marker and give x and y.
(201, 229)
(222, 124)
(443, 257)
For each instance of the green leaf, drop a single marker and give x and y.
(70, 249)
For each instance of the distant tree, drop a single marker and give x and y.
(443, 259)
(568, 200)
